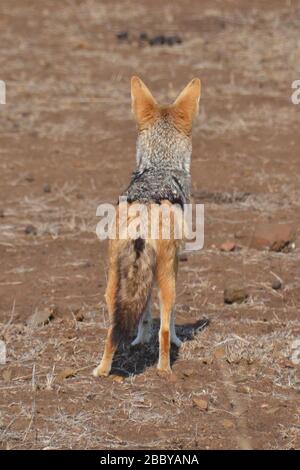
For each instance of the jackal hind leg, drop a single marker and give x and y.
(104, 367)
(166, 284)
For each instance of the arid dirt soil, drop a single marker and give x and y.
(67, 143)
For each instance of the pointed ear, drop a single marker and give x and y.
(186, 106)
(144, 106)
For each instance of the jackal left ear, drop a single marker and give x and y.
(144, 106)
(186, 106)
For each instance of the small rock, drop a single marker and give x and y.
(235, 294)
(201, 403)
(277, 284)
(83, 45)
(122, 36)
(66, 373)
(30, 230)
(79, 315)
(172, 40)
(47, 188)
(188, 372)
(41, 317)
(29, 178)
(227, 423)
(143, 36)
(183, 257)
(158, 40)
(1, 213)
(228, 246)
(274, 237)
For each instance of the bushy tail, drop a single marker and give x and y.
(136, 264)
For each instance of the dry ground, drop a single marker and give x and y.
(67, 143)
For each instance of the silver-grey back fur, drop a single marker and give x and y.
(163, 165)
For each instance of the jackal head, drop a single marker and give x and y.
(165, 131)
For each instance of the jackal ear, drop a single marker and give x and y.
(143, 105)
(186, 106)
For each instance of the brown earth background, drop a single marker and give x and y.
(67, 143)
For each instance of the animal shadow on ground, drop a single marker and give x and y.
(133, 360)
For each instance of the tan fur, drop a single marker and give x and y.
(181, 113)
(132, 271)
(143, 104)
(186, 107)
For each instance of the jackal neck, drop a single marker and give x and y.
(164, 148)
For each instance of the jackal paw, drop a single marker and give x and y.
(100, 372)
(142, 339)
(163, 370)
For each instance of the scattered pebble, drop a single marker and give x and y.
(47, 188)
(82, 45)
(201, 403)
(277, 284)
(228, 246)
(123, 36)
(66, 373)
(79, 315)
(228, 424)
(272, 236)
(30, 230)
(188, 372)
(235, 294)
(29, 178)
(143, 36)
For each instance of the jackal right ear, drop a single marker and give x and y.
(144, 106)
(186, 106)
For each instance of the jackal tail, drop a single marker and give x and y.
(135, 271)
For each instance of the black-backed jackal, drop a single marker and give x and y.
(161, 179)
